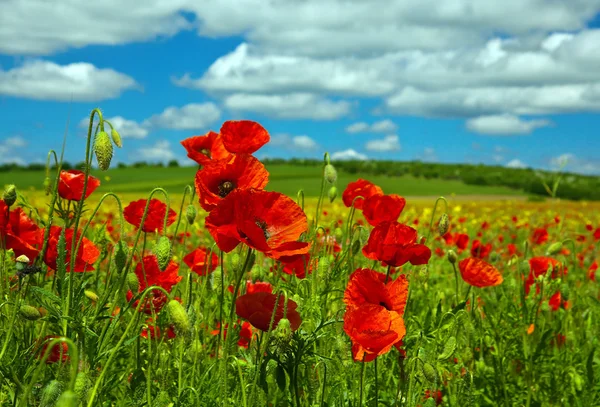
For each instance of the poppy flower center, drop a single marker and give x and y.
(263, 225)
(384, 305)
(225, 188)
(206, 152)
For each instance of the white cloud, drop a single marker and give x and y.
(516, 163)
(10, 149)
(192, 116)
(126, 128)
(294, 143)
(505, 124)
(14, 142)
(160, 151)
(83, 82)
(289, 106)
(347, 155)
(573, 163)
(383, 126)
(388, 143)
(429, 155)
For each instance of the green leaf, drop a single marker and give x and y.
(590, 367)
(449, 348)
(280, 378)
(47, 294)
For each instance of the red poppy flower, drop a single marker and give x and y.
(70, 185)
(245, 333)
(59, 352)
(269, 222)
(149, 274)
(215, 181)
(395, 244)
(359, 188)
(556, 301)
(540, 265)
(479, 273)
(200, 263)
(154, 218)
(382, 208)
(462, 241)
(258, 287)
(592, 270)
(153, 331)
(84, 259)
(597, 234)
(206, 148)
(257, 308)
(298, 265)
(374, 314)
(19, 233)
(540, 235)
(243, 136)
(480, 250)
(434, 394)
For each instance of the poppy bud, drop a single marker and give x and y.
(430, 373)
(82, 386)
(564, 292)
(323, 265)
(178, 316)
(355, 247)
(217, 278)
(284, 329)
(163, 252)
(104, 150)
(196, 348)
(452, 257)
(554, 248)
(47, 186)
(330, 174)
(10, 195)
(256, 272)
(120, 256)
(338, 234)
(133, 283)
(30, 313)
(332, 194)
(443, 224)
(235, 260)
(67, 399)
(190, 214)
(449, 348)
(91, 295)
(21, 262)
(116, 138)
(51, 393)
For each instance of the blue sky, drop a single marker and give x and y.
(453, 81)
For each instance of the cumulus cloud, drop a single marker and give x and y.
(126, 128)
(289, 106)
(192, 116)
(81, 82)
(347, 155)
(504, 125)
(516, 163)
(383, 126)
(294, 143)
(573, 163)
(428, 155)
(10, 150)
(160, 151)
(388, 143)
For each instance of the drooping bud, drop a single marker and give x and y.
(332, 194)
(91, 295)
(452, 257)
(116, 137)
(163, 252)
(443, 224)
(29, 312)
(430, 373)
(330, 174)
(51, 393)
(120, 256)
(554, 248)
(67, 399)
(10, 195)
(82, 386)
(104, 150)
(47, 186)
(178, 316)
(190, 214)
(133, 283)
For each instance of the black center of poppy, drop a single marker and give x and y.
(225, 188)
(384, 305)
(206, 152)
(262, 224)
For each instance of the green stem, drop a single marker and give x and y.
(441, 198)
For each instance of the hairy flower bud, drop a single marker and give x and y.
(284, 329)
(91, 295)
(51, 393)
(330, 173)
(190, 214)
(163, 252)
(116, 138)
(120, 256)
(10, 195)
(443, 224)
(103, 149)
(82, 386)
(332, 194)
(452, 257)
(30, 313)
(554, 248)
(430, 373)
(178, 316)
(133, 283)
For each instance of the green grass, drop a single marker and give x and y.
(285, 178)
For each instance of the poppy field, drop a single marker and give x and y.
(231, 293)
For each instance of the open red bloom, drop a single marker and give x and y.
(395, 244)
(154, 218)
(85, 258)
(359, 188)
(206, 148)
(540, 235)
(218, 179)
(70, 185)
(381, 208)
(59, 352)
(200, 263)
(153, 331)
(479, 273)
(149, 274)
(245, 333)
(258, 287)
(269, 222)
(540, 265)
(374, 314)
(480, 250)
(243, 136)
(19, 233)
(257, 308)
(298, 265)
